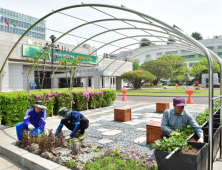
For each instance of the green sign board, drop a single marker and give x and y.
(29, 51)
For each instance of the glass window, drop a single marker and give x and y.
(220, 53)
(19, 31)
(201, 55)
(7, 29)
(11, 30)
(219, 47)
(1, 27)
(19, 23)
(22, 24)
(210, 48)
(16, 31)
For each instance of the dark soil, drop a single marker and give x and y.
(189, 151)
(194, 138)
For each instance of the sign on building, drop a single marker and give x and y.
(29, 51)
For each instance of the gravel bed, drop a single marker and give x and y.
(123, 140)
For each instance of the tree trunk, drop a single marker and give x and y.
(43, 76)
(39, 86)
(66, 79)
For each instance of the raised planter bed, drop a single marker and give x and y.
(216, 139)
(180, 161)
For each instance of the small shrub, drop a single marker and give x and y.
(70, 164)
(196, 83)
(171, 84)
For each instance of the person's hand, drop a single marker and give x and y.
(31, 127)
(200, 140)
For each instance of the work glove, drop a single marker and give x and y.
(200, 140)
(31, 127)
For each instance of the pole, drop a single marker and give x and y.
(186, 75)
(52, 84)
(220, 114)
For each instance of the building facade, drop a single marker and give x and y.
(150, 53)
(17, 23)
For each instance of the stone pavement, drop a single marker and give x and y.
(101, 120)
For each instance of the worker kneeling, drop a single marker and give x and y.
(74, 121)
(34, 120)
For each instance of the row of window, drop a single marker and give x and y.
(188, 56)
(23, 17)
(20, 32)
(22, 24)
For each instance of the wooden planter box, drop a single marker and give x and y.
(122, 114)
(153, 132)
(161, 107)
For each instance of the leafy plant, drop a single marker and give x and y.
(70, 164)
(96, 150)
(171, 143)
(79, 139)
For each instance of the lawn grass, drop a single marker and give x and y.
(166, 92)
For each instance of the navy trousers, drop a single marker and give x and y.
(21, 126)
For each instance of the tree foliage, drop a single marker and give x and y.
(197, 35)
(33, 60)
(201, 67)
(181, 78)
(217, 36)
(136, 65)
(145, 42)
(138, 77)
(177, 64)
(159, 68)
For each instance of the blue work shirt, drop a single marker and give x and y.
(171, 121)
(74, 118)
(36, 119)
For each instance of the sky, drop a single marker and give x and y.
(203, 16)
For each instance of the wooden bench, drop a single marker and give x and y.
(161, 106)
(153, 132)
(122, 114)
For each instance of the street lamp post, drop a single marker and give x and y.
(58, 51)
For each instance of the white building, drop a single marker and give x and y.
(14, 75)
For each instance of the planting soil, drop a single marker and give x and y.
(78, 154)
(194, 138)
(189, 151)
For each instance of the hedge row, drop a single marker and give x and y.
(13, 105)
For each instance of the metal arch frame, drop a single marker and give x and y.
(149, 51)
(178, 32)
(125, 54)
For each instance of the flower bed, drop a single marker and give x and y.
(84, 155)
(13, 105)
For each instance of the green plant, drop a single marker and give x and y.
(79, 139)
(115, 152)
(70, 164)
(171, 143)
(96, 150)
(171, 84)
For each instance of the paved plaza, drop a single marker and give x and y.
(107, 132)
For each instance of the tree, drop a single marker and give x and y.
(177, 63)
(197, 35)
(136, 65)
(145, 42)
(138, 77)
(66, 64)
(181, 78)
(44, 58)
(73, 63)
(201, 67)
(217, 36)
(196, 70)
(33, 60)
(159, 68)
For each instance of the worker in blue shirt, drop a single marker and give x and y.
(34, 120)
(74, 121)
